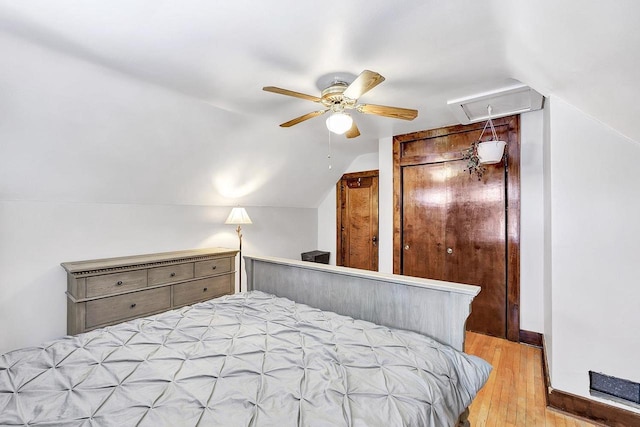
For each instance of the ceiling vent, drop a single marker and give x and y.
(507, 101)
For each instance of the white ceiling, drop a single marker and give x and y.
(195, 70)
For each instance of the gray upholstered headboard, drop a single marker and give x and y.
(430, 307)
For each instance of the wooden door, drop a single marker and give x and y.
(455, 231)
(476, 243)
(451, 226)
(424, 216)
(357, 220)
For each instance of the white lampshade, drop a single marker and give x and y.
(238, 216)
(339, 122)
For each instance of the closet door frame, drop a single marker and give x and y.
(512, 202)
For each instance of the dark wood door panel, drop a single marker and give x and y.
(444, 147)
(475, 241)
(424, 215)
(357, 215)
(359, 227)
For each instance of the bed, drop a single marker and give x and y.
(308, 344)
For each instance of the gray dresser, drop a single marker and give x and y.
(106, 291)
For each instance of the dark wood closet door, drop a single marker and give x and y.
(424, 218)
(453, 227)
(357, 220)
(475, 243)
(454, 230)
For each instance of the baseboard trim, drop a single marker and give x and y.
(583, 407)
(531, 338)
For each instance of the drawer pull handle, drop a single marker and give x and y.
(119, 283)
(173, 275)
(133, 305)
(214, 267)
(205, 290)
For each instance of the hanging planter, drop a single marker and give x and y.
(490, 152)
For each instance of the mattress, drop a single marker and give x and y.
(249, 359)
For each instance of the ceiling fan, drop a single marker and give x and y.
(341, 96)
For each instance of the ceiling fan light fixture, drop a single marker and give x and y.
(339, 122)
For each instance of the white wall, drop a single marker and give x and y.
(74, 130)
(385, 206)
(531, 225)
(37, 236)
(94, 163)
(327, 225)
(595, 230)
(531, 222)
(548, 247)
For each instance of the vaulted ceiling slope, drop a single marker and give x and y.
(147, 101)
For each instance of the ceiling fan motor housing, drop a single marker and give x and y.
(332, 97)
(333, 93)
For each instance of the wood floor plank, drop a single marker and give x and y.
(491, 386)
(505, 380)
(512, 411)
(522, 387)
(495, 403)
(535, 355)
(532, 418)
(549, 419)
(560, 420)
(514, 395)
(469, 342)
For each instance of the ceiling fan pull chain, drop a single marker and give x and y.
(329, 154)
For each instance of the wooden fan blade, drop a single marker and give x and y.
(353, 132)
(366, 81)
(394, 112)
(291, 93)
(303, 118)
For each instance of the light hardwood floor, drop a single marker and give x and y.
(514, 393)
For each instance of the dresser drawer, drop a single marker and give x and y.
(122, 307)
(108, 284)
(171, 273)
(215, 266)
(200, 290)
